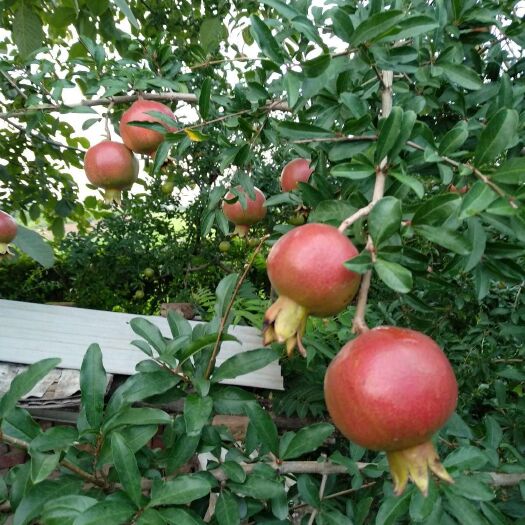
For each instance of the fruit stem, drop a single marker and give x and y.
(241, 230)
(359, 323)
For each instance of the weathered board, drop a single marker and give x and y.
(30, 332)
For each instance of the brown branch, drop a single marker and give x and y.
(363, 212)
(171, 96)
(486, 180)
(10, 440)
(346, 138)
(216, 348)
(359, 323)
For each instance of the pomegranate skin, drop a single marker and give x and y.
(110, 165)
(8, 228)
(255, 209)
(142, 140)
(297, 170)
(390, 389)
(306, 265)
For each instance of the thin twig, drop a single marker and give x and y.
(363, 212)
(106, 121)
(340, 493)
(10, 440)
(359, 323)
(11, 80)
(216, 348)
(345, 138)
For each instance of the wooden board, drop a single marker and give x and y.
(30, 332)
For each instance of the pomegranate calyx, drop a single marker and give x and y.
(285, 322)
(241, 230)
(4, 250)
(113, 197)
(413, 463)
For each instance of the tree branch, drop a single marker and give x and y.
(359, 323)
(216, 348)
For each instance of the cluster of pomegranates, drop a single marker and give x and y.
(111, 165)
(8, 229)
(388, 389)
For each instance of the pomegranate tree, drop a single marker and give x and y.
(391, 389)
(297, 170)
(8, 230)
(244, 217)
(142, 140)
(111, 166)
(305, 267)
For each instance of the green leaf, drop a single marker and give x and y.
(411, 27)
(179, 491)
(244, 363)
(179, 326)
(331, 211)
(316, 66)
(224, 293)
(54, 438)
(197, 411)
(137, 416)
(264, 426)
(384, 220)
(211, 32)
(360, 263)
(286, 10)
(64, 510)
(454, 139)
(375, 26)
(227, 510)
(302, 24)
(352, 171)
(307, 440)
(93, 384)
(127, 468)
(300, 130)
(231, 400)
(23, 383)
(128, 13)
(179, 516)
(34, 245)
(464, 511)
(27, 33)
(437, 209)
(42, 465)
(478, 240)
(477, 199)
(184, 448)
(150, 332)
(471, 488)
(407, 125)
(511, 171)
(37, 496)
(116, 512)
(392, 509)
(292, 83)
(415, 185)
(204, 98)
(308, 490)
(258, 487)
(447, 238)
(234, 471)
(498, 135)
(466, 458)
(461, 75)
(388, 134)
(343, 27)
(394, 275)
(151, 517)
(265, 40)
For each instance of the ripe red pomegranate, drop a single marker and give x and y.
(243, 218)
(305, 267)
(297, 170)
(142, 140)
(391, 389)
(111, 166)
(8, 230)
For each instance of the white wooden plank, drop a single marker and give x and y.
(30, 332)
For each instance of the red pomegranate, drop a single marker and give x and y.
(8, 230)
(111, 166)
(243, 218)
(305, 267)
(297, 170)
(142, 140)
(391, 389)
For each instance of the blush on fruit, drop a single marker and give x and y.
(297, 170)
(8, 229)
(243, 218)
(306, 268)
(391, 389)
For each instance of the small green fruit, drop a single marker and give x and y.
(139, 294)
(297, 220)
(253, 243)
(167, 188)
(224, 246)
(149, 273)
